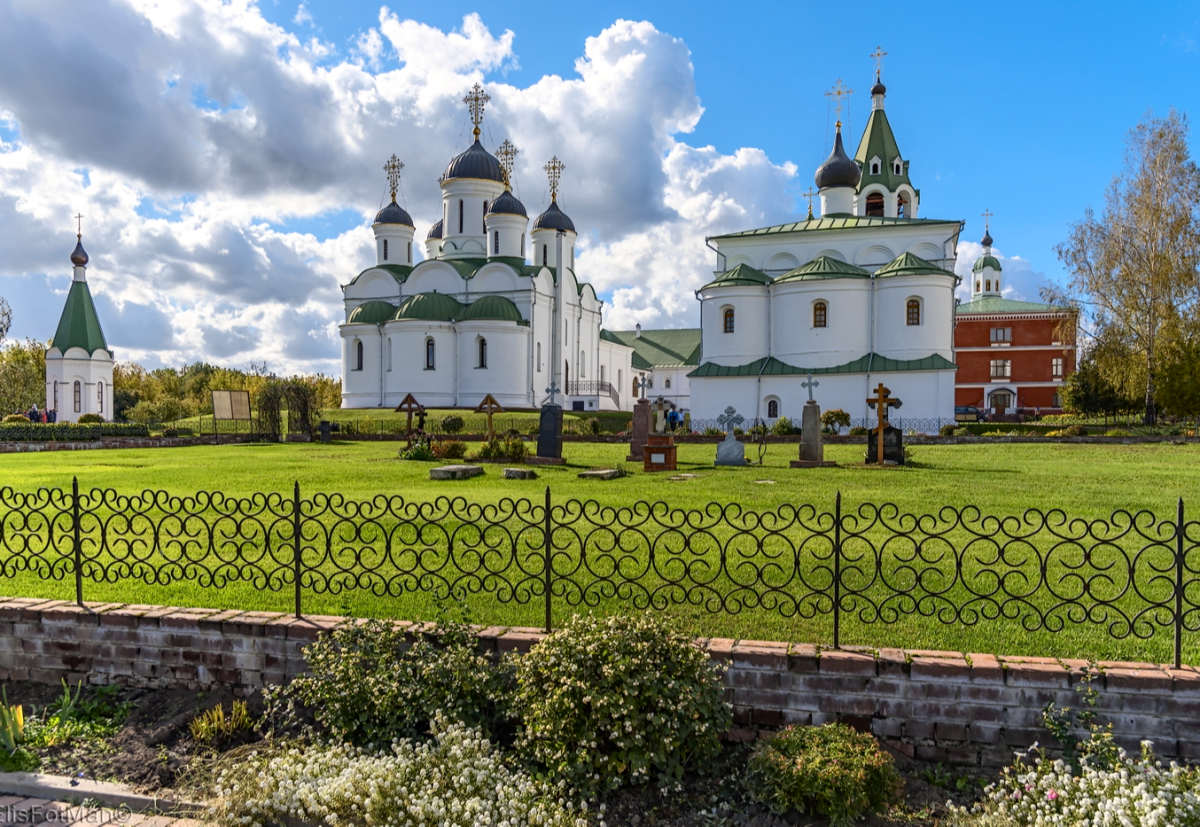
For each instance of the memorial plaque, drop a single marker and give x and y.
(893, 446)
(549, 442)
(660, 453)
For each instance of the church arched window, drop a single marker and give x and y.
(773, 409)
(410, 252)
(582, 363)
(989, 285)
(539, 357)
(545, 250)
(482, 352)
(875, 204)
(389, 353)
(522, 245)
(460, 216)
(914, 311)
(820, 314)
(997, 285)
(100, 397)
(485, 218)
(358, 355)
(572, 257)
(385, 250)
(429, 354)
(78, 396)
(902, 206)
(728, 316)
(875, 168)
(977, 285)
(56, 394)
(496, 242)
(667, 384)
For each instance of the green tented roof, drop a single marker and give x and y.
(491, 308)
(987, 261)
(873, 363)
(824, 267)
(834, 222)
(993, 304)
(879, 142)
(433, 307)
(741, 274)
(372, 312)
(79, 325)
(397, 271)
(659, 348)
(910, 265)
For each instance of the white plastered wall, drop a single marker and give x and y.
(94, 374)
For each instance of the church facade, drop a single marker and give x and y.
(79, 364)
(860, 295)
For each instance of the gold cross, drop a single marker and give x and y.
(79, 226)
(878, 55)
(507, 156)
(838, 92)
(392, 168)
(986, 214)
(809, 195)
(475, 101)
(554, 170)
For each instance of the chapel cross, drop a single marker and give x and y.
(409, 405)
(809, 195)
(392, 168)
(506, 154)
(489, 406)
(554, 170)
(810, 384)
(730, 419)
(839, 91)
(475, 101)
(79, 226)
(878, 55)
(881, 400)
(987, 217)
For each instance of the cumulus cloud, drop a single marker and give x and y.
(1020, 281)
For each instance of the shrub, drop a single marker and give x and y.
(90, 419)
(452, 424)
(858, 430)
(620, 700)
(369, 686)
(67, 431)
(13, 418)
(169, 432)
(457, 780)
(419, 452)
(449, 449)
(830, 771)
(711, 431)
(594, 426)
(782, 426)
(961, 432)
(1119, 432)
(507, 448)
(947, 430)
(835, 419)
(1073, 430)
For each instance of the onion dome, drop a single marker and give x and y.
(838, 170)
(435, 231)
(372, 312)
(432, 307)
(987, 261)
(508, 204)
(986, 241)
(79, 257)
(476, 162)
(393, 213)
(555, 219)
(491, 308)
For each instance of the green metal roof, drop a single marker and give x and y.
(433, 307)
(372, 312)
(79, 325)
(910, 265)
(835, 222)
(659, 348)
(987, 261)
(992, 304)
(742, 274)
(879, 142)
(874, 363)
(824, 267)
(491, 308)
(397, 271)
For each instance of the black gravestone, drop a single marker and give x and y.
(893, 446)
(325, 429)
(549, 443)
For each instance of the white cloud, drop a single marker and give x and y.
(302, 16)
(1020, 281)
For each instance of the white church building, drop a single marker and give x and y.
(861, 294)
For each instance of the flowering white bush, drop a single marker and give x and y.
(1137, 792)
(457, 780)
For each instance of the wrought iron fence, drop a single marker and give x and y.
(1132, 574)
(920, 425)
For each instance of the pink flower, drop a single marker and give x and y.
(1017, 795)
(1050, 796)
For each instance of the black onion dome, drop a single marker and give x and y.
(508, 204)
(80, 257)
(476, 162)
(554, 219)
(393, 213)
(987, 239)
(838, 170)
(435, 231)
(878, 88)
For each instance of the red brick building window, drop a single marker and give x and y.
(1001, 369)
(1057, 365)
(1001, 334)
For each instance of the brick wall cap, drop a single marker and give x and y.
(846, 663)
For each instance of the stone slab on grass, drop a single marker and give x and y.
(600, 474)
(520, 474)
(455, 472)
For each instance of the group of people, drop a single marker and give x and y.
(43, 416)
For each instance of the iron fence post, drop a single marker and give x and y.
(548, 544)
(1179, 529)
(837, 571)
(297, 560)
(77, 542)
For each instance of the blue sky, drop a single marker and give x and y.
(227, 154)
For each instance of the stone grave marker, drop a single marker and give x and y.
(893, 447)
(812, 442)
(641, 429)
(730, 451)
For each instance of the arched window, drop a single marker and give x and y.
(358, 355)
(385, 250)
(78, 397)
(99, 397)
(539, 357)
(582, 363)
(389, 353)
(602, 373)
(667, 383)
(820, 314)
(997, 285)
(914, 311)
(496, 243)
(544, 252)
(635, 388)
(875, 204)
(901, 206)
(482, 352)
(977, 283)
(898, 166)
(485, 218)
(989, 284)
(522, 245)
(773, 409)
(729, 320)
(875, 168)
(56, 394)
(410, 252)
(572, 257)
(429, 354)
(460, 216)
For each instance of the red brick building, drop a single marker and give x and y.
(1012, 356)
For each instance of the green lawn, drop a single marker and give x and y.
(1086, 481)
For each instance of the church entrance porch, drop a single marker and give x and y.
(1000, 401)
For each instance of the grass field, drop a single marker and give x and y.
(1086, 481)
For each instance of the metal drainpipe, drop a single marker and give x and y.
(379, 329)
(454, 328)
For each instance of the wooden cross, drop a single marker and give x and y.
(489, 406)
(810, 384)
(409, 405)
(809, 195)
(79, 226)
(507, 156)
(554, 170)
(839, 91)
(881, 400)
(475, 101)
(392, 168)
(878, 55)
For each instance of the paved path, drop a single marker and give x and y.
(20, 810)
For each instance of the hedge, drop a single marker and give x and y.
(68, 431)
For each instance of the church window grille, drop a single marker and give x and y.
(78, 397)
(410, 252)
(875, 204)
(901, 206)
(729, 320)
(358, 355)
(1001, 334)
(429, 354)
(460, 215)
(914, 311)
(820, 314)
(773, 409)
(1057, 367)
(483, 353)
(1001, 369)
(100, 397)
(385, 250)
(496, 243)
(667, 384)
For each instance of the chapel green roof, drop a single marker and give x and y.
(992, 304)
(372, 312)
(659, 348)
(741, 274)
(908, 264)
(397, 271)
(878, 141)
(824, 267)
(431, 307)
(987, 261)
(491, 308)
(873, 363)
(834, 222)
(79, 326)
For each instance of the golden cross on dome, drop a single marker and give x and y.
(507, 156)
(475, 101)
(878, 55)
(839, 91)
(809, 195)
(392, 168)
(554, 170)
(987, 215)
(79, 226)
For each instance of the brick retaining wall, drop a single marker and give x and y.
(35, 446)
(937, 706)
